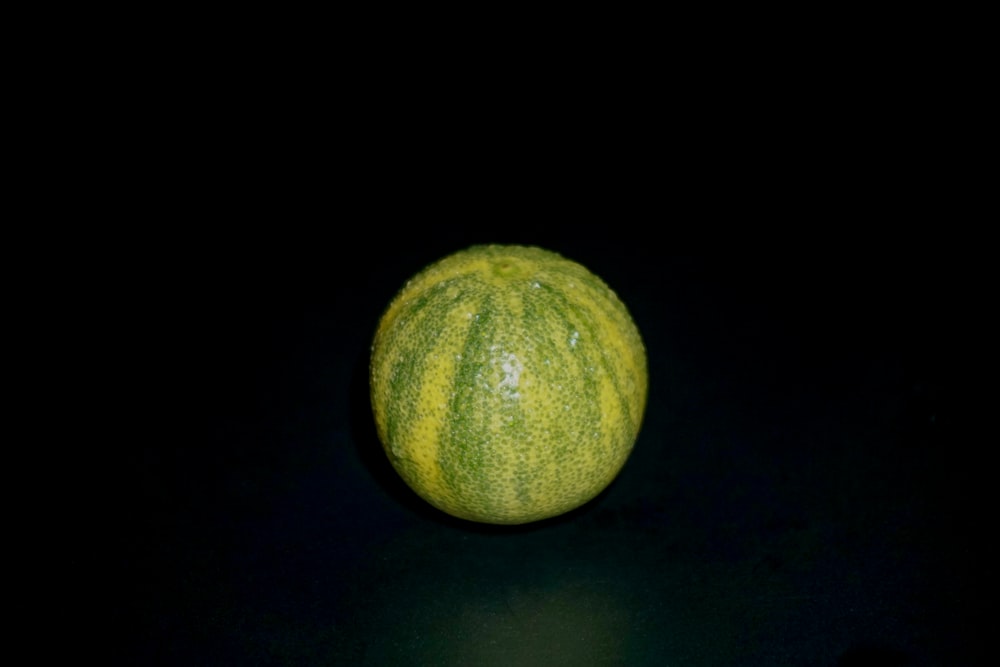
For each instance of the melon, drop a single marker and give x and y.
(508, 384)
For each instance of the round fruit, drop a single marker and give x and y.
(508, 384)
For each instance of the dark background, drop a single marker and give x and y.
(221, 214)
(798, 494)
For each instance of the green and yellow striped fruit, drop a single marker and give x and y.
(508, 384)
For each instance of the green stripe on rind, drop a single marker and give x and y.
(584, 414)
(406, 355)
(462, 456)
(602, 297)
(592, 352)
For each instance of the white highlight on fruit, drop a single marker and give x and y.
(574, 338)
(511, 367)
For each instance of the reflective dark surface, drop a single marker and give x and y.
(799, 494)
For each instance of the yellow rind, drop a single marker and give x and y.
(546, 411)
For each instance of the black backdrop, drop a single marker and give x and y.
(798, 494)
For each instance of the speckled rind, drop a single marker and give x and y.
(508, 384)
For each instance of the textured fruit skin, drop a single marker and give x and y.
(508, 384)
